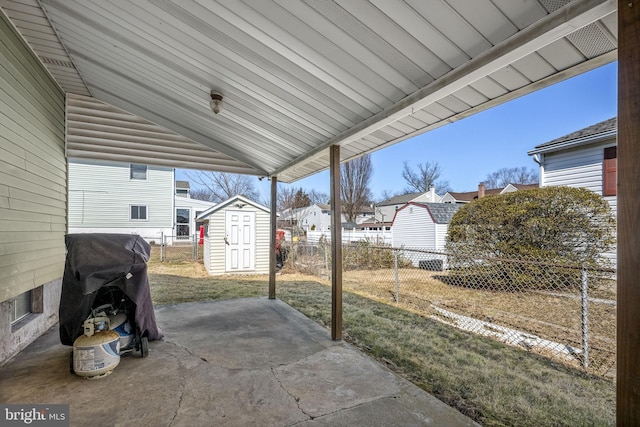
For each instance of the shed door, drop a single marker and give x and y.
(240, 239)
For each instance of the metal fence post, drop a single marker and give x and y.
(326, 262)
(395, 266)
(161, 246)
(585, 319)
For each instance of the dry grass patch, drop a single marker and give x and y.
(554, 317)
(494, 384)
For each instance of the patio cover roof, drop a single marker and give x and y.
(298, 76)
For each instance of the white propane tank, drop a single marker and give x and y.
(121, 325)
(97, 352)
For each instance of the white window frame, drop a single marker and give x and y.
(146, 212)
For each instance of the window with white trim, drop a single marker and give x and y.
(137, 171)
(138, 213)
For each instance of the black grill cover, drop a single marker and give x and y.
(95, 260)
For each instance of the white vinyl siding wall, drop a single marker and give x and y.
(217, 247)
(101, 195)
(579, 167)
(33, 173)
(263, 230)
(413, 227)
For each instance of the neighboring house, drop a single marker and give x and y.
(187, 210)
(586, 158)
(237, 237)
(423, 226)
(318, 218)
(385, 210)
(311, 218)
(470, 196)
(109, 197)
(183, 189)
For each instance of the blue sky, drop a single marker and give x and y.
(500, 137)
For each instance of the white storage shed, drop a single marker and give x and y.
(236, 237)
(423, 226)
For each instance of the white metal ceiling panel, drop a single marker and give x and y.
(561, 54)
(534, 67)
(300, 75)
(509, 78)
(98, 130)
(486, 18)
(470, 96)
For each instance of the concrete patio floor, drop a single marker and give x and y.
(238, 362)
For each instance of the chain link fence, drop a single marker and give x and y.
(565, 312)
(167, 248)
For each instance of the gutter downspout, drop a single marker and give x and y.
(538, 158)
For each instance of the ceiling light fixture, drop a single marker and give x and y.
(216, 101)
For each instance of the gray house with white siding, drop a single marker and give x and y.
(586, 158)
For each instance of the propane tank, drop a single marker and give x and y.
(121, 325)
(97, 352)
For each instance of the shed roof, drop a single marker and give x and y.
(298, 77)
(183, 185)
(441, 213)
(237, 202)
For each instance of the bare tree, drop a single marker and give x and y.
(222, 185)
(201, 194)
(355, 193)
(286, 196)
(516, 175)
(318, 197)
(293, 198)
(424, 178)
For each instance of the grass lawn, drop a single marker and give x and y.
(494, 384)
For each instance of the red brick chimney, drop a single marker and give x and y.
(481, 190)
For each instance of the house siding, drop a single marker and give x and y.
(575, 168)
(263, 230)
(33, 189)
(217, 255)
(101, 193)
(413, 227)
(579, 167)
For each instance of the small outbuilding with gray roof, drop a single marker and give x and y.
(423, 226)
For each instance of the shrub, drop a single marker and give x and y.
(551, 226)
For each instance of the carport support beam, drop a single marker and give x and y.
(272, 239)
(628, 331)
(336, 243)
